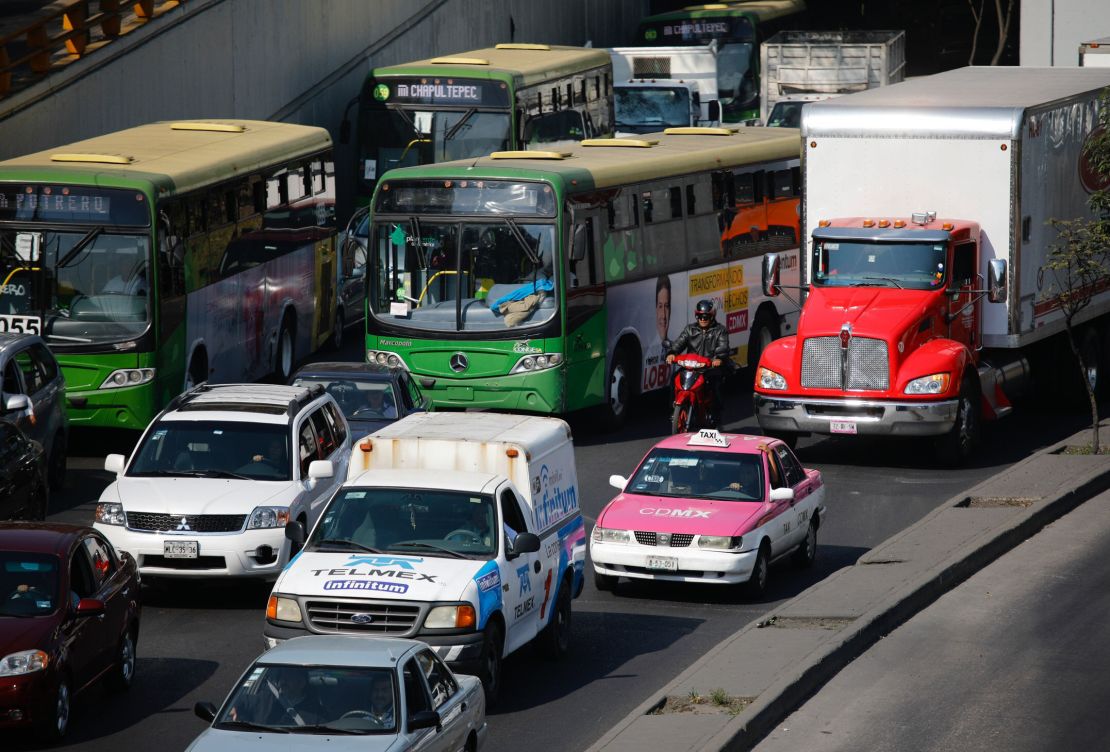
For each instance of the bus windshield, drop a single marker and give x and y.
(472, 275)
(403, 137)
(80, 286)
(914, 266)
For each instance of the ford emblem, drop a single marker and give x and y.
(361, 618)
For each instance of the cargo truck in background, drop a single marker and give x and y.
(926, 206)
(655, 88)
(807, 66)
(1095, 53)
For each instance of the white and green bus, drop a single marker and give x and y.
(550, 281)
(168, 254)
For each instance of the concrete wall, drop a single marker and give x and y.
(1052, 30)
(288, 60)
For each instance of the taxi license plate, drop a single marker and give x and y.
(663, 562)
(180, 549)
(843, 426)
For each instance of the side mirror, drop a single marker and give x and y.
(618, 482)
(205, 711)
(17, 403)
(318, 469)
(114, 463)
(578, 243)
(294, 531)
(782, 494)
(714, 110)
(996, 281)
(423, 719)
(90, 607)
(526, 543)
(771, 275)
(345, 131)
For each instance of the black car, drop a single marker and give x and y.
(24, 490)
(370, 395)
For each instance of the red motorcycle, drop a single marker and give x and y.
(693, 396)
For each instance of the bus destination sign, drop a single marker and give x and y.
(48, 203)
(699, 31)
(441, 91)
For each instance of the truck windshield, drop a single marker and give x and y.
(736, 83)
(915, 266)
(492, 275)
(422, 522)
(642, 109)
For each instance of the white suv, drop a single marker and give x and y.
(218, 473)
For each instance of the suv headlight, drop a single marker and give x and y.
(266, 517)
(385, 358)
(128, 377)
(450, 617)
(610, 535)
(721, 542)
(110, 513)
(283, 609)
(768, 379)
(537, 362)
(23, 662)
(936, 383)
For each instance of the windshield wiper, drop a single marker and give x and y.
(318, 727)
(347, 542)
(191, 474)
(447, 136)
(252, 726)
(430, 546)
(89, 237)
(891, 280)
(523, 243)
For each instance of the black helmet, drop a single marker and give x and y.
(705, 307)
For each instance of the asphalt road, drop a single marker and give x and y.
(197, 638)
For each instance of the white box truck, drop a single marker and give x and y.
(926, 206)
(1095, 54)
(797, 67)
(459, 529)
(655, 88)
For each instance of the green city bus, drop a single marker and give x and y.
(545, 281)
(168, 254)
(512, 96)
(738, 28)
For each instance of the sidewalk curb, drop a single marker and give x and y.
(813, 670)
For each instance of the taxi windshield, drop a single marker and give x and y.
(452, 524)
(703, 474)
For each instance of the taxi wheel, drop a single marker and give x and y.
(807, 551)
(123, 674)
(605, 582)
(555, 638)
(756, 587)
(491, 663)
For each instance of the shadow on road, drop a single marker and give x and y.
(210, 593)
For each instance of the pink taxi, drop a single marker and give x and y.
(709, 507)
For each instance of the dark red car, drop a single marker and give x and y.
(69, 615)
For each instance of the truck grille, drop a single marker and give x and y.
(651, 67)
(193, 523)
(868, 366)
(649, 538)
(383, 617)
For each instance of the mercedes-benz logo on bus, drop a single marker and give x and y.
(459, 362)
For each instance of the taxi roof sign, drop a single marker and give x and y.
(708, 437)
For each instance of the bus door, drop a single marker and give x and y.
(585, 342)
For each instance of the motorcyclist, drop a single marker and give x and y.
(709, 339)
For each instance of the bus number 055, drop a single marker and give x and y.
(20, 324)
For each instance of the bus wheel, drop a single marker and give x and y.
(764, 332)
(618, 390)
(336, 342)
(283, 363)
(198, 371)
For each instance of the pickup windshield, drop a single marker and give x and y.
(913, 266)
(409, 521)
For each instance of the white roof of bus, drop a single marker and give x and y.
(531, 65)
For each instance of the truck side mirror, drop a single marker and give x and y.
(771, 275)
(294, 531)
(526, 543)
(996, 280)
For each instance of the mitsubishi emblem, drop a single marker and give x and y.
(459, 362)
(184, 524)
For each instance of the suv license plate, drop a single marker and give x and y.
(663, 562)
(180, 549)
(843, 426)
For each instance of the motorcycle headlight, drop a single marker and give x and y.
(110, 513)
(768, 379)
(610, 535)
(23, 662)
(267, 517)
(283, 609)
(721, 542)
(936, 383)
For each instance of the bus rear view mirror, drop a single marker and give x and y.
(578, 243)
(996, 281)
(771, 275)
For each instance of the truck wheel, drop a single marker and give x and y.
(956, 446)
(618, 390)
(1091, 350)
(554, 640)
(756, 586)
(807, 551)
(604, 582)
(680, 419)
(491, 663)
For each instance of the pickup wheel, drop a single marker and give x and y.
(554, 640)
(605, 582)
(956, 446)
(491, 663)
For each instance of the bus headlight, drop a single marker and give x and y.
(936, 383)
(128, 377)
(768, 379)
(385, 358)
(537, 362)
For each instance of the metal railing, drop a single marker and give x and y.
(65, 31)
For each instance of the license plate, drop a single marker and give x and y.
(663, 562)
(843, 426)
(180, 549)
(20, 324)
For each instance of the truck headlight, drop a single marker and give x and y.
(936, 383)
(266, 517)
(450, 617)
(768, 379)
(721, 542)
(110, 513)
(610, 535)
(23, 662)
(283, 609)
